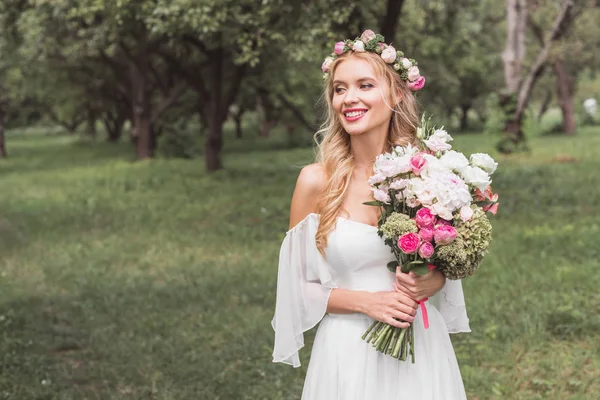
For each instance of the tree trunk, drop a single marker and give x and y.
(3, 153)
(91, 121)
(545, 104)
(141, 109)
(564, 94)
(214, 138)
(238, 123)
(514, 52)
(390, 19)
(114, 125)
(464, 117)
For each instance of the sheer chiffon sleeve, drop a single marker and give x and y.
(450, 301)
(304, 284)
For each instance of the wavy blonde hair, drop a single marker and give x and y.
(334, 153)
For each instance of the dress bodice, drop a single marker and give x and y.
(358, 257)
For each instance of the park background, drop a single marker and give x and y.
(148, 153)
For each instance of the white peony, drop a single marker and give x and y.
(484, 161)
(390, 165)
(359, 46)
(413, 74)
(445, 188)
(441, 211)
(432, 166)
(476, 176)
(406, 64)
(389, 54)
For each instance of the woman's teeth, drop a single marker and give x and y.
(354, 114)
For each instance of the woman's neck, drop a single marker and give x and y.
(366, 147)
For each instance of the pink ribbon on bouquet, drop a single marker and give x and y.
(423, 307)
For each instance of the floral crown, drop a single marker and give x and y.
(369, 41)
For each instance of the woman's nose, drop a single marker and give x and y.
(351, 97)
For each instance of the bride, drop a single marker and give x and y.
(332, 265)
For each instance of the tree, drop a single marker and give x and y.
(518, 91)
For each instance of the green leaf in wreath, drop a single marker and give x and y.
(372, 203)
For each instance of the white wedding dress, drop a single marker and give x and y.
(342, 365)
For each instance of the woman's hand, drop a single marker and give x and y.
(418, 287)
(389, 307)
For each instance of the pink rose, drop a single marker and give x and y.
(441, 222)
(426, 250)
(417, 162)
(367, 36)
(389, 54)
(444, 234)
(339, 48)
(326, 64)
(409, 243)
(382, 46)
(424, 218)
(417, 85)
(426, 234)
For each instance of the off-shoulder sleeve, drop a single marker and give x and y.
(450, 301)
(304, 284)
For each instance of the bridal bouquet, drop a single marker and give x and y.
(433, 204)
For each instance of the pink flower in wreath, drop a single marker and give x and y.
(367, 36)
(326, 64)
(426, 234)
(417, 85)
(339, 48)
(409, 243)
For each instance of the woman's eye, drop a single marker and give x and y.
(366, 86)
(339, 90)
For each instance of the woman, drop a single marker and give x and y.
(332, 265)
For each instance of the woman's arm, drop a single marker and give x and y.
(382, 306)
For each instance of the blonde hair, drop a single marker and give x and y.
(334, 153)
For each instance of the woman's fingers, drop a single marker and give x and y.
(396, 323)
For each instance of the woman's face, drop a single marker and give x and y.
(358, 97)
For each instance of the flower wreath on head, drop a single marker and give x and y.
(369, 41)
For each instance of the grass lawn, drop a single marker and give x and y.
(154, 280)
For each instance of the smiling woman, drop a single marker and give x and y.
(332, 265)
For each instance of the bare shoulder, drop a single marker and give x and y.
(309, 188)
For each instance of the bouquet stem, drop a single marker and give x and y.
(395, 342)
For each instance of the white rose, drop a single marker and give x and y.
(484, 161)
(454, 160)
(441, 211)
(433, 165)
(412, 202)
(466, 213)
(406, 64)
(413, 74)
(442, 134)
(406, 150)
(437, 144)
(476, 176)
(359, 46)
(381, 195)
(389, 54)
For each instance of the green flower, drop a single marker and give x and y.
(463, 256)
(396, 225)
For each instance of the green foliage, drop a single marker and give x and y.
(179, 143)
(123, 280)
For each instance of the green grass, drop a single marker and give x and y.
(154, 280)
